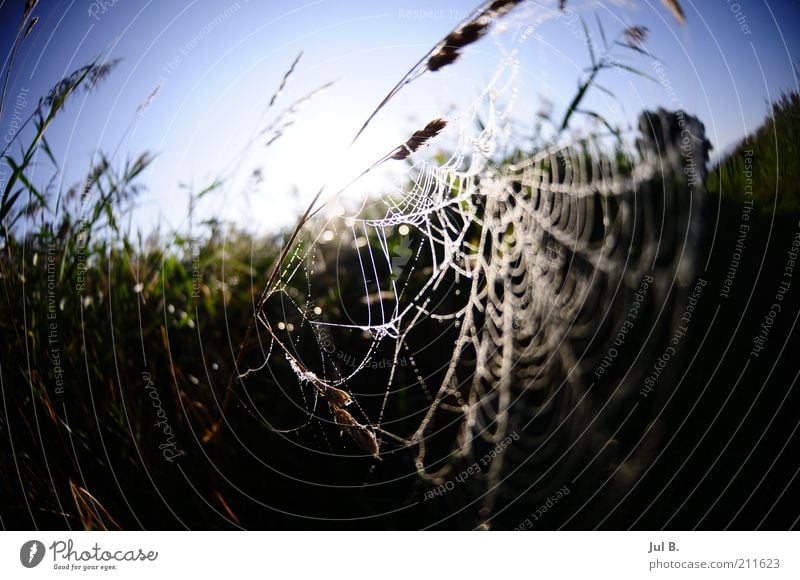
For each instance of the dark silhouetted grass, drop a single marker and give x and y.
(774, 171)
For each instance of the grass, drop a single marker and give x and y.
(106, 334)
(119, 351)
(772, 169)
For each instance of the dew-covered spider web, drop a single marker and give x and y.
(495, 305)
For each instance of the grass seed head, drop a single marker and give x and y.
(636, 36)
(419, 138)
(337, 397)
(676, 10)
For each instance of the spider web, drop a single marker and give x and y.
(465, 314)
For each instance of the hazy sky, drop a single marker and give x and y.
(217, 63)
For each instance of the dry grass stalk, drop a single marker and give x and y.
(500, 8)
(285, 119)
(636, 36)
(418, 139)
(449, 49)
(336, 397)
(226, 507)
(676, 10)
(31, 24)
(284, 80)
(91, 512)
(29, 6)
(362, 436)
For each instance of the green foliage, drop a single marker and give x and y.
(93, 311)
(43, 116)
(772, 170)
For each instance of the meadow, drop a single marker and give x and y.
(119, 410)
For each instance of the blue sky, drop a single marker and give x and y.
(217, 63)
